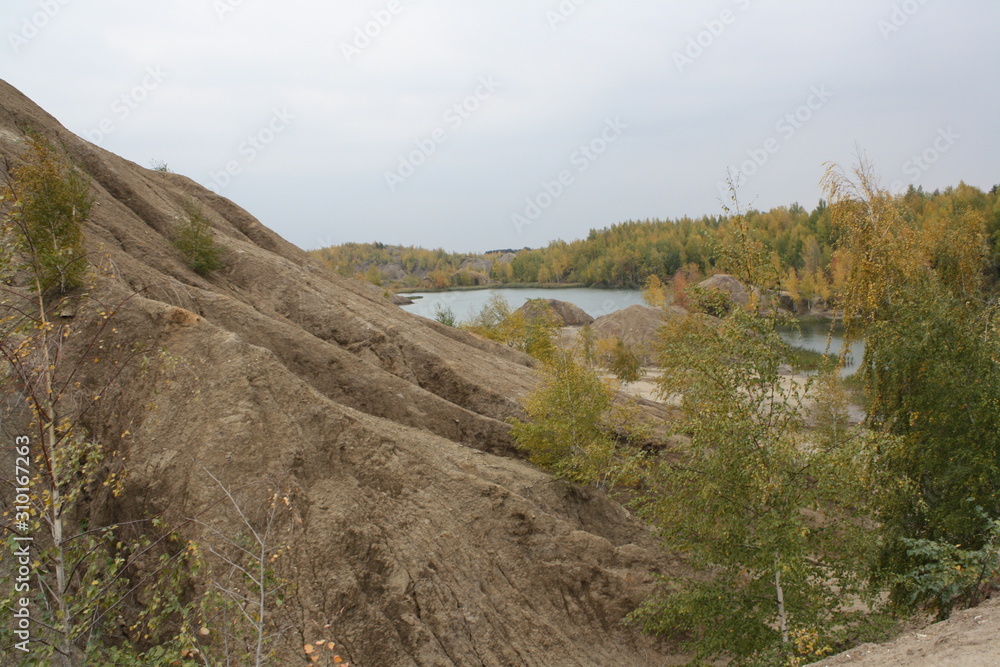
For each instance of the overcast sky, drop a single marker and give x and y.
(472, 125)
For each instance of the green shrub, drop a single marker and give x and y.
(947, 575)
(574, 425)
(501, 323)
(51, 200)
(445, 315)
(193, 238)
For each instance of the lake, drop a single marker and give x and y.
(816, 335)
(596, 302)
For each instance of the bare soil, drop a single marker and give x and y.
(426, 539)
(970, 638)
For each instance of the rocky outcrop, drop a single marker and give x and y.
(400, 300)
(476, 265)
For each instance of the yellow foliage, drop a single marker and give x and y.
(655, 292)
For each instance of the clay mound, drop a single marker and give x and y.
(638, 326)
(722, 282)
(567, 314)
(425, 539)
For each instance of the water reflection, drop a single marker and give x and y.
(826, 338)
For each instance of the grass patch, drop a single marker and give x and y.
(807, 361)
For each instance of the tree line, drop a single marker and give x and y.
(803, 246)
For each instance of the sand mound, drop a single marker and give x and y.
(729, 285)
(970, 638)
(638, 326)
(566, 314)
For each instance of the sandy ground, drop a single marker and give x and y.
(646, 388)
(970, 638)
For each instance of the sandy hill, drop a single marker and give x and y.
(425, 538)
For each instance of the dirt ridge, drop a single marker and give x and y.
(426, 539)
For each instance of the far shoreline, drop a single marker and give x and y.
(474, 288)
(815, 317)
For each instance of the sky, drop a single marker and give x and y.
(474, 126)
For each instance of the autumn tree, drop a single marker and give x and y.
(62, 365)
(246, 545)
(916, 294)
(532, 332)
(576, 423)
(49, 200)
(737, 495)
(624, 254)
(624, 363)
(654, 293)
